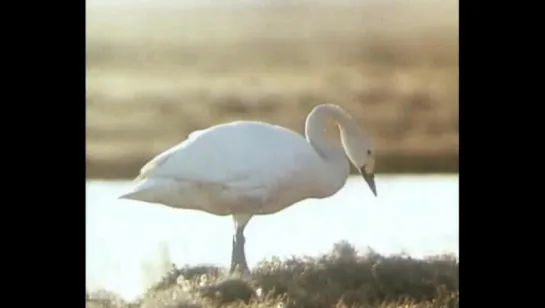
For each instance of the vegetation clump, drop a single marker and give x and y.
(341, 278)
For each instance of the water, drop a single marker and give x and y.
(127, 241)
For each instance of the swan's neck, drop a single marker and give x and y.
(336, 167)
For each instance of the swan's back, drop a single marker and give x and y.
(228, 151)
(258, 162)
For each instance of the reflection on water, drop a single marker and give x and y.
(127, 241)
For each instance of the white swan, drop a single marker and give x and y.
(248, 168)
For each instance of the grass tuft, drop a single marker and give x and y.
(341, 278)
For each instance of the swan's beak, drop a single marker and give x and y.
(370, 179)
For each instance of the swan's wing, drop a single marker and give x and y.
(163, 157)
(249, 153)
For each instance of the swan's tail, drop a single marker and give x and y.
(147, 190)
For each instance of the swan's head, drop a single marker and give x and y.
(359, 150)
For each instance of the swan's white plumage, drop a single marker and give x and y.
(250, 168)
(239, 167)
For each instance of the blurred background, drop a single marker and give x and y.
(158, 70)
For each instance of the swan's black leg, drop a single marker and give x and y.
(238, 257)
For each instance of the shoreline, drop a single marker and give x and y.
(386, 164)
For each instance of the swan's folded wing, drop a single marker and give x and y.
(159, 160)
(240, 153)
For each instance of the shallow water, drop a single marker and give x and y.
(129, 244)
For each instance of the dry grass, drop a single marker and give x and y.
(152, 78)
(342, 278)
